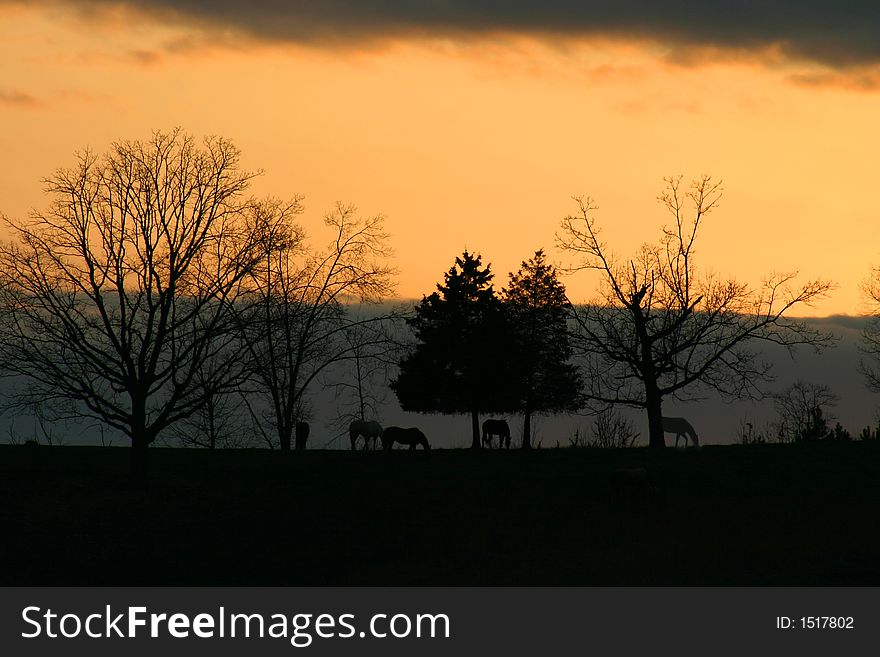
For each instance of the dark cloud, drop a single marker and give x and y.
(854, 80)
(18, 99)
(839, 34)
(144, 57)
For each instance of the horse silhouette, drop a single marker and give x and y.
(496, 428)
(682, 429)
(411, 437)
(368, 429)
(302, 434)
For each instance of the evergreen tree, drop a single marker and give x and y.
(459, 362)
(536, 307)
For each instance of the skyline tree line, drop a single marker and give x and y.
(154, 289)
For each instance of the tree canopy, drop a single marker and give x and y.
(116, 297)
(460, 360)
(537, 309)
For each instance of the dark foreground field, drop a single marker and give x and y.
(776, 515)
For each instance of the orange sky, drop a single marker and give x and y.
(476, 143)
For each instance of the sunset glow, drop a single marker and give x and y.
(475, 140)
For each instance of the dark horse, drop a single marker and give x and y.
(496, 428)
(302, 434)
(369, 429)
(411, 437)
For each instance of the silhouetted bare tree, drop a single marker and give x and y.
(869, 365)
(360, 382)
(660, 327)
(611, 429)
(219, 422)
(803, 411)
(295, 323)
(117, 295)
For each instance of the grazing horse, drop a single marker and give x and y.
(369, 429)
(411, 437)
(302, 434)
(496, 428)
(682, 429)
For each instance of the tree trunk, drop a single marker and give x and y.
(654, 406)
(302, 435)
(360, 385)
(475, 426)
(284, 438)
(140, 439)
(212, 425)
(527, 430)
(653, 398)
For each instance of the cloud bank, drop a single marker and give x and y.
(841, 35)
(16, 98)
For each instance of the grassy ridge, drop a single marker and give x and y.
(775, 515)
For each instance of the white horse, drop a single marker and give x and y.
(682, 429)
(369, 429)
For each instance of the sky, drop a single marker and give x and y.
(472, 124)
